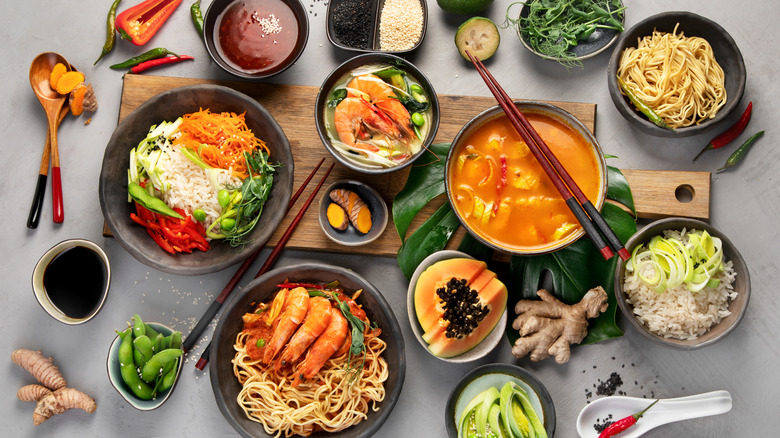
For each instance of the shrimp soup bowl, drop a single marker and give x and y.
(170, 105)
(338, 114)
(500, 193)
(225, 385)
(726, 53)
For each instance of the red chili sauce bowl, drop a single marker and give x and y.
(255, 39)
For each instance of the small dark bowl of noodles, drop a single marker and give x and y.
(376, 113)
(724, 84)
(255, 39)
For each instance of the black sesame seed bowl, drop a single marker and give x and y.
(480, 350)
(357, 25)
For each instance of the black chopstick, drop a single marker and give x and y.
(588, 216)
(275, 253)
(213, 308)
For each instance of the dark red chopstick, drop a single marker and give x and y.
(213, 308)
(275, 253)
(588, 216)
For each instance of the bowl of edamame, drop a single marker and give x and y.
(158, 344)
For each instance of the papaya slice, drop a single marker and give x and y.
(436, 276)
(495, 295)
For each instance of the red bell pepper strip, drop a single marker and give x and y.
(159, 61)
(171, 234)
(730, 134)
(143, 20)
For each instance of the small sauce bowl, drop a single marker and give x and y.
(54, 281)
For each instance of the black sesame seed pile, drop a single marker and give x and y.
(610, 386)
(461, 308)
(602, 424)
(353, 22)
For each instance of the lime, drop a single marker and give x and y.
(464, 7)
(479, 36)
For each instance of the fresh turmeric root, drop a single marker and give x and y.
(42, 368)
(53, 397)
(357, 210)
(548, 327)
(337, 217)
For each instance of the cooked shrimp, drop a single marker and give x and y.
(381, 94)
(356, 119)
(315, 322)
(324, 347)
(292, 315)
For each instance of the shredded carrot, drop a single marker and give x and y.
(220, 139)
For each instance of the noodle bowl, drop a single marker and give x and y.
(675, 75)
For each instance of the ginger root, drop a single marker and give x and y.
(356, 209)
(53, 398)
(82, 98)
(42, 368)
(548, 327)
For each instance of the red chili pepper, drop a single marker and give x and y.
(624, 423)
(143, 20)
(303, 285)
(159, 61)
(730, 134)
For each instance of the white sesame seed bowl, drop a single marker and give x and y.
(389, 26)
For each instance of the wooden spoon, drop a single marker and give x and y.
(52, 102)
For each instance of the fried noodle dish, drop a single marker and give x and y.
(309, 360)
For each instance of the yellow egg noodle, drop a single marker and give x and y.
(675, 75)
(331, 402)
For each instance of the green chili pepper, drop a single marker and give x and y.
(108, 46)
(149, 202)
(197, 16)
(159, 52)
(739, 154)
(643, 107)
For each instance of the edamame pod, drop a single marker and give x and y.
(139, 328)
(129, 372)
(142, 351)
(168, 379)
(153, 367)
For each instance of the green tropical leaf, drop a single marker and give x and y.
(425, 182)
(618, 189)
(473, 247)
(432, 236)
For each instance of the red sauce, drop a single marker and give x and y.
(257, 36)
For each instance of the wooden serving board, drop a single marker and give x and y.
(293, 108)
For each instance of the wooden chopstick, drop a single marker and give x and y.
(275, 253)
(587, 215)
(213, 308)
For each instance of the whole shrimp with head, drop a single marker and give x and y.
(372, 120)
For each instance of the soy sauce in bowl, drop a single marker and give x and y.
(74, 281)
(71, 280)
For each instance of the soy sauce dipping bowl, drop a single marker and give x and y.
(115, 375)
(321, 103)
(45, 261)
(373, 9)
(726, 52)
(211, 38)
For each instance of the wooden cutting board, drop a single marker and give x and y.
(655, 192)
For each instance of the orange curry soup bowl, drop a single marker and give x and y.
(502, 195)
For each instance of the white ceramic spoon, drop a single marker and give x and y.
(665, 411)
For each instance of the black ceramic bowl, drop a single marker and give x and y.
(211, 21)
(170, 105)
(496, 375)
(598, 42)
(341, 12)
(741, 284)
(224, 383)
(333, 78)
(351, 236)
(726, 53)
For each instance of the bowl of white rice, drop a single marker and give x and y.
(168, 106)
(686, 315)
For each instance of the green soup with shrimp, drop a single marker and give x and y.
(378, 116)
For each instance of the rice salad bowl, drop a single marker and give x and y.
(188, 204)
(685, 285)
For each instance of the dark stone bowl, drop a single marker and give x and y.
(225, 384)
(359, 61)
(741, 285)
(726, 53)
(211, 39)
(170, 105)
